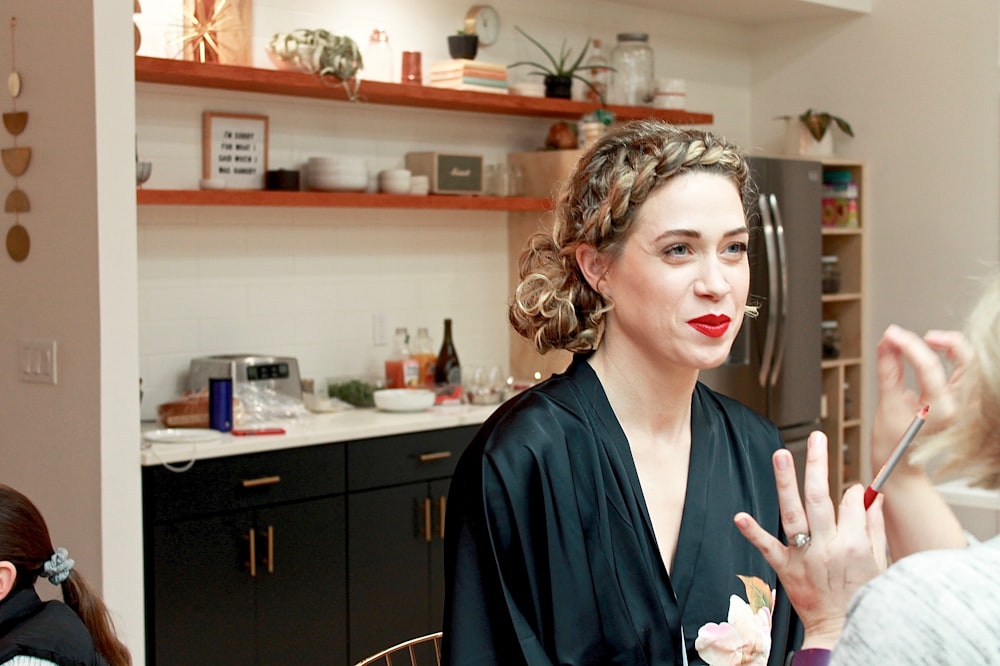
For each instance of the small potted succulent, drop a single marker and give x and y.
(463, 45)
(810, 136)
(558, 73)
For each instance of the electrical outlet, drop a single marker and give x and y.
(380, 329)
(36, 360)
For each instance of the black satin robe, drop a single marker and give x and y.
(550, 555)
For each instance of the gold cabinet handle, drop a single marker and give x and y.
(270, 549)
(252, 538)
(261, 481)
(442, 503)
(435, 455)
(427, 519)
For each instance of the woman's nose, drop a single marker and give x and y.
(713, 281)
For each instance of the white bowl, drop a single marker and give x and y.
(337, 173)
(404, 400)
(395, 188)
(337, 162)
(356, 183)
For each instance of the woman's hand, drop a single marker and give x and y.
(842, 554)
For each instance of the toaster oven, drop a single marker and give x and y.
(280, 373)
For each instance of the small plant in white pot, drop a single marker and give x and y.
(810, 135)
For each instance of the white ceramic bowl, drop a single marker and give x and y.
(404, 400)
(343, 183)
(337, 162)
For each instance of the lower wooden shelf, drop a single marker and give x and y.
(338, 200)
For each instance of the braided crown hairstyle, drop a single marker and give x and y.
(554, 306)
(25, 543)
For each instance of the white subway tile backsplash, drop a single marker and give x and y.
(306, 281)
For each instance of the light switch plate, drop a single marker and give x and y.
(36, 360)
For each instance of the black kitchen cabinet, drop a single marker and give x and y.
(397, 500)
(246, 560)
(360, 520)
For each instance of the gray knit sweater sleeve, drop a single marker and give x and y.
(935, 608)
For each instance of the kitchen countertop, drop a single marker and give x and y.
(317, 429)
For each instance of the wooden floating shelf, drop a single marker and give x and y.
(337, 200)
(840, 362)
(845, 297)
(298, 84)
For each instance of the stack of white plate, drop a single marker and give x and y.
(420, 184)
(337, 174)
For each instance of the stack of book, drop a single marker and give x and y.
(470, 75)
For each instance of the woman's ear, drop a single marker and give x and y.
(593, 265)
(8, 576)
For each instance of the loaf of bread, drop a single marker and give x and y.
(190, 411)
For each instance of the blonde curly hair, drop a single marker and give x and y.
(554, 306)
(970, 446)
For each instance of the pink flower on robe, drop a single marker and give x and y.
(745, 637)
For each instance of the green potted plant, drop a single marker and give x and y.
(809, 135)
(817, 122)
(463, 45)
(558, 73)
(334, 58)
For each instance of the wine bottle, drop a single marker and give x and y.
(448, 371)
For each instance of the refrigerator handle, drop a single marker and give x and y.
(771, 325)
(782, 333)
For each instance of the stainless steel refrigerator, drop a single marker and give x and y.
(774, 366)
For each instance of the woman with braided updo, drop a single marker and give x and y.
(32, 633)
(590, 520)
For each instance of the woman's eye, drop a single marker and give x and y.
(677, 251)
(736, 248)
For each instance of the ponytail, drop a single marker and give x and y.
(88, 605)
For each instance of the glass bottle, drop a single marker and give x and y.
(401, 369)
(598, 74)
(632, 80)
(378, 57)
(448, 371)
(423, 352)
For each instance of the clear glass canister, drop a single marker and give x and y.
(831, 274)
(632, 81)
(830, 338)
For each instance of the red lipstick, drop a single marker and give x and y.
(714, 326)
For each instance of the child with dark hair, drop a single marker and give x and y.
(78, 632)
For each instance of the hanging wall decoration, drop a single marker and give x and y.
(219, 31)
(16, 160)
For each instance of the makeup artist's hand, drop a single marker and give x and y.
(897, 404)
(916, 516)
(843, 553)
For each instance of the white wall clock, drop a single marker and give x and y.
(484, 22)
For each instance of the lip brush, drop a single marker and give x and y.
(904, 443)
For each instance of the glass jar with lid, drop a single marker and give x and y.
(831, 274)
(632, 79)
(831, 338)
